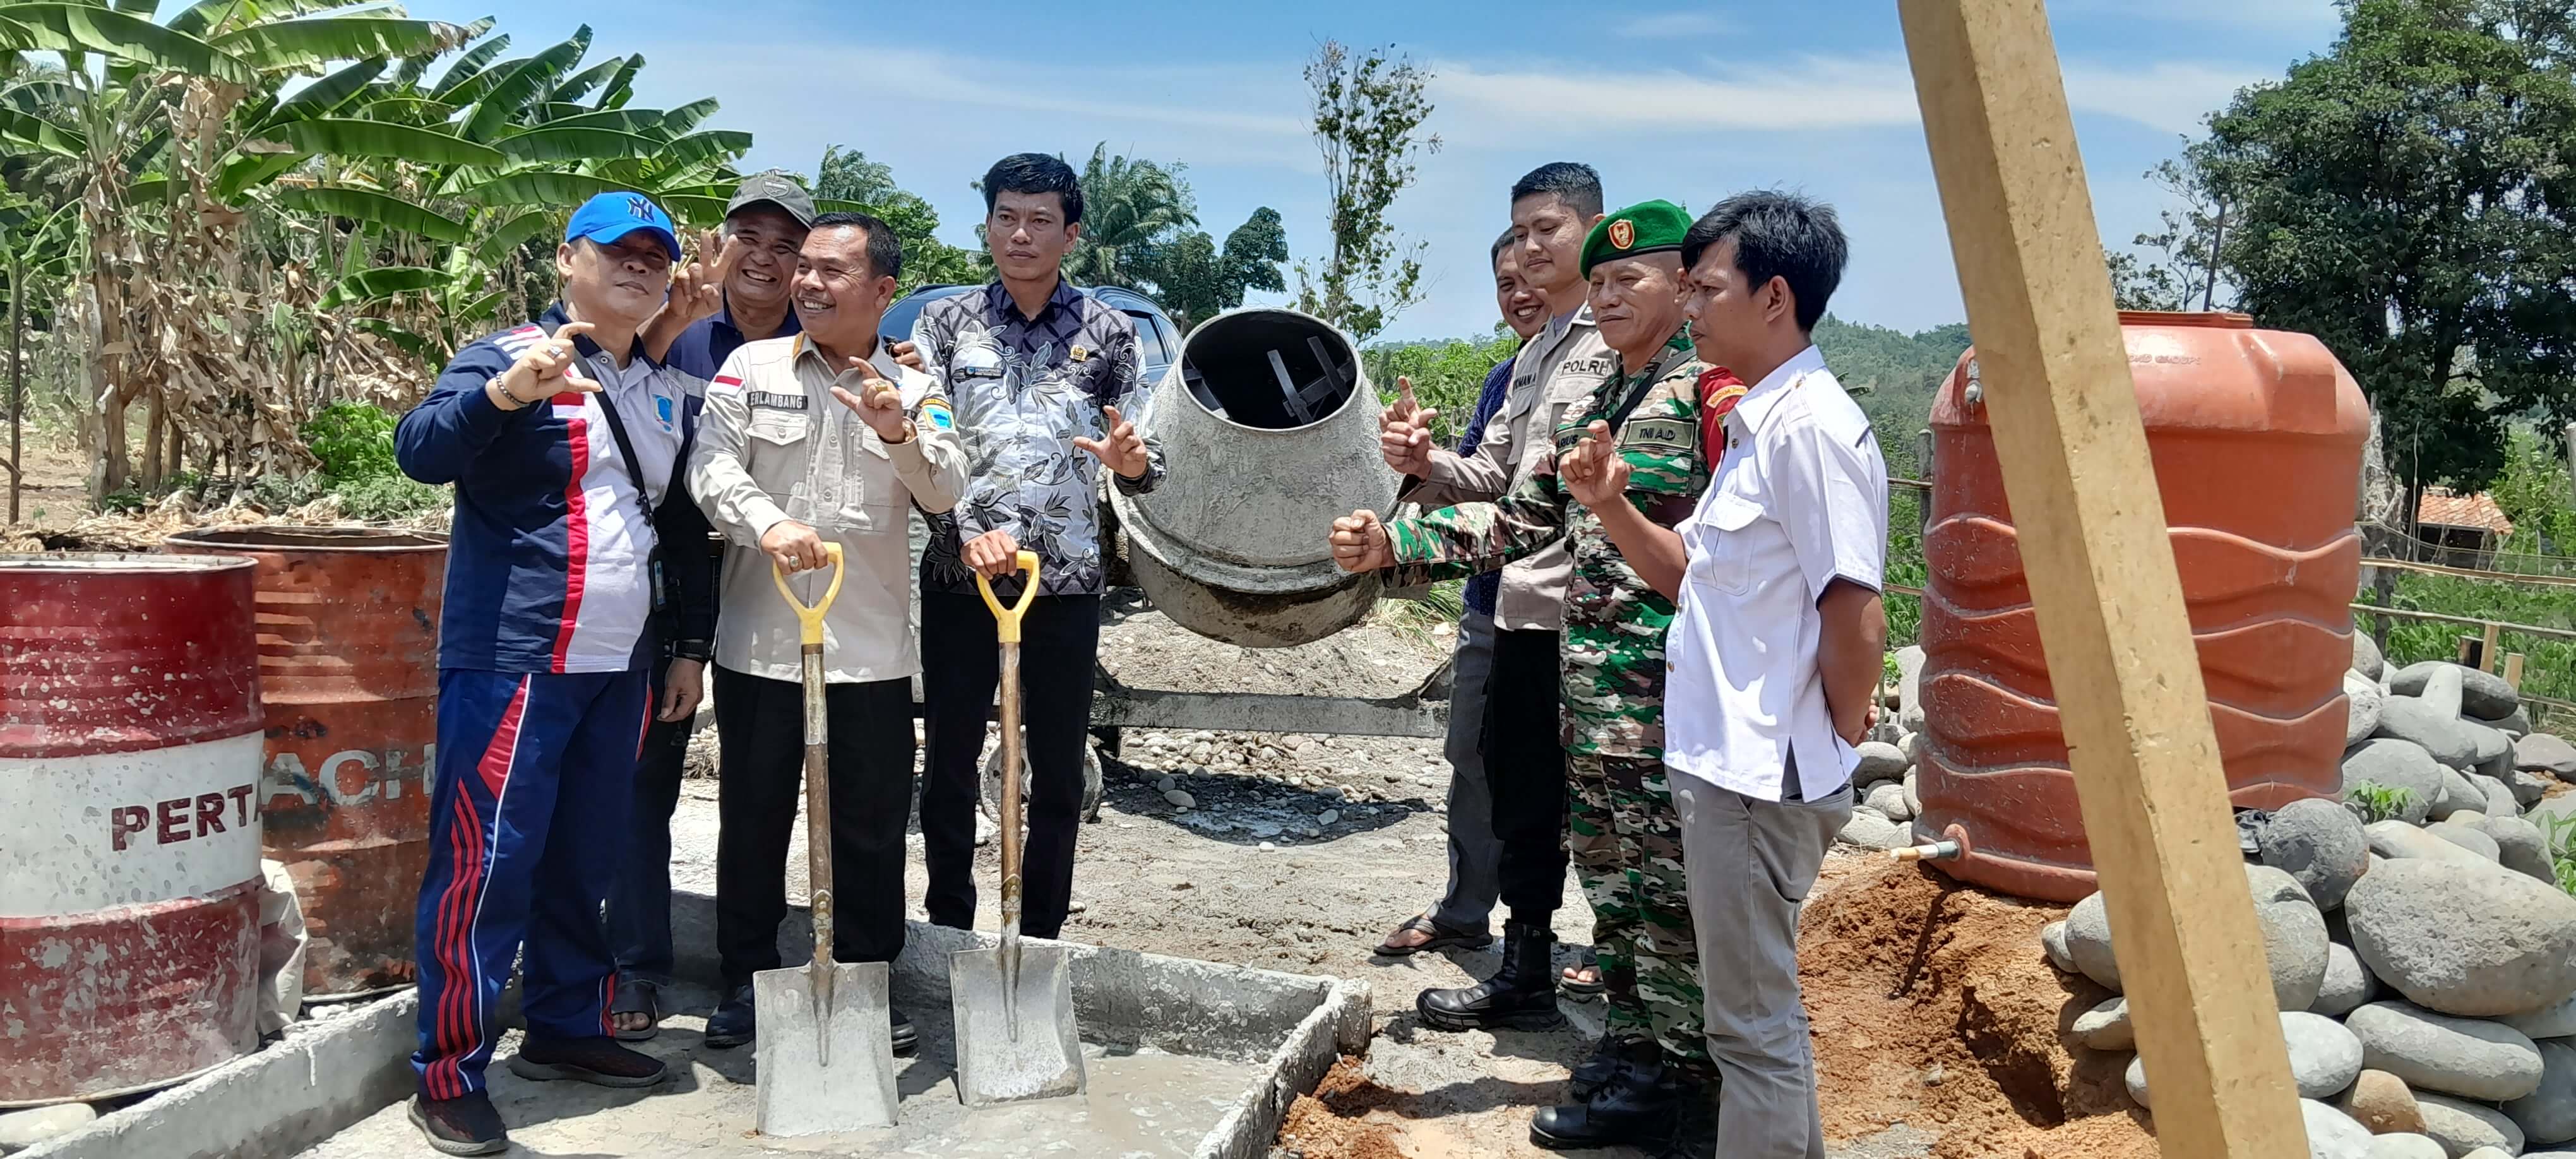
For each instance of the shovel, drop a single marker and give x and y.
(1013, 1004)
(826, 1053)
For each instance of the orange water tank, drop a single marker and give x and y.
(2257, 440)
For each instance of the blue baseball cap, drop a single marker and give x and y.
(610, 216)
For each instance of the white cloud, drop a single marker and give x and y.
(1481, 108)
(1662, 25)
(1499, 108)
(2174, 96)
(2265, 15)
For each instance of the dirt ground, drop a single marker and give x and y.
(51, 494)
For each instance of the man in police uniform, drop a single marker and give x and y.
(1552, 207)
(1622, 828)
(808, 441)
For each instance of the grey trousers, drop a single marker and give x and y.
(1475, 855)
(1751, 864)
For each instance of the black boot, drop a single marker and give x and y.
(1520, 996)
(1594, 1073)
(1640, 1107)
(1695, 1135)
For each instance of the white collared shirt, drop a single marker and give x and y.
(648, 398)
(1800, 500)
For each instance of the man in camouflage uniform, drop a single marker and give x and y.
(1622, 831)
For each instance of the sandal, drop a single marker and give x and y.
(1442, 937)
(1570, 981)
(636, 996)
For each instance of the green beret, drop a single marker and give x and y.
(1645, 228)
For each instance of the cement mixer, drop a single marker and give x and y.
(1269, 426)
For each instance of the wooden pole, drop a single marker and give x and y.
(2102, 578)
(2488, 655)
(2513, 670)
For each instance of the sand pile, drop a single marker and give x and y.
(1933, 1006)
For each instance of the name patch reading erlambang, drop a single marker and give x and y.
(780, 401)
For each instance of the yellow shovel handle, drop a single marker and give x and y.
(809, 621)
(1008, 619)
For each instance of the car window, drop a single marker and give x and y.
(1152, 348)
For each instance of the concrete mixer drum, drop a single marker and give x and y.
(1268, 424)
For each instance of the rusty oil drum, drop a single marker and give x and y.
(348, 662)
(129, 822)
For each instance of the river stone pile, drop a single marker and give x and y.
(1885, 783)
(2421, 950)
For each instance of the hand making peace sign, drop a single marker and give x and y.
(698, 288)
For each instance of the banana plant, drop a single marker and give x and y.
(407, 206)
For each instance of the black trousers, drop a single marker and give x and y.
(639, 905)
(760, 724)
(961, 667)
(1525, 762)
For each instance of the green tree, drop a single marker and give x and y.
(2177, 267)
(848, 175)
(277, 207)
(846, 179)
(1195, 281)
(1130, 206)
(1367, 110)
(1447, 376)
(2405, 197)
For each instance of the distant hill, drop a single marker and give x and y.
(1893, 375)
(1875, 358)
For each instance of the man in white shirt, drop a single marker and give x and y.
(1775, 650)
(808, 441)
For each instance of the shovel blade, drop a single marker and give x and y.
(1043, 1059)
(824, 1068)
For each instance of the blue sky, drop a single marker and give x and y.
(1684, 101)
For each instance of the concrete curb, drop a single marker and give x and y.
(351, 1061)
(325, 1074)
(1340, 1026)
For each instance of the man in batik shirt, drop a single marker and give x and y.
(1045, 381)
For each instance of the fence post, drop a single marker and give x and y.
(2513, 670)
(1923, 499)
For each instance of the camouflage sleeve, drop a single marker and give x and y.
(1456, 542)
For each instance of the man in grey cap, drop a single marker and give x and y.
(735, 291)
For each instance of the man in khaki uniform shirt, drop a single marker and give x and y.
(1553, 207)
(808, 440)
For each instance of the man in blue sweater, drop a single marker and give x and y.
(563, 440)
(1464, 914)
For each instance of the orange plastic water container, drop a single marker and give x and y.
(2257, 440)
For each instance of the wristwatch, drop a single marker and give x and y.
(698, 650)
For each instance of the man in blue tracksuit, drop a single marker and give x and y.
(563, 439)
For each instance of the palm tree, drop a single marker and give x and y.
(1129, 204)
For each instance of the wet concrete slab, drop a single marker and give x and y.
(1142, 1103)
